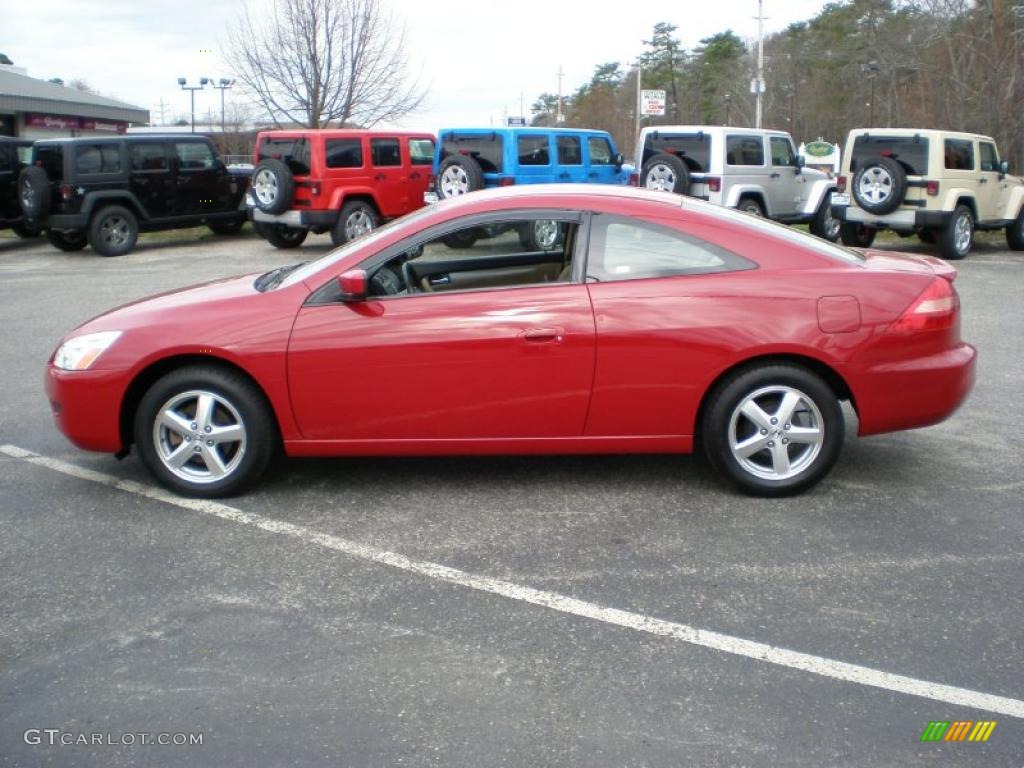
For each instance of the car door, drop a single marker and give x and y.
(569, 157)
(746, 165)
(150, 179)
(993, 189)
(390, 178)
(786, 185)
(420, 151)
(600, 161)
(481, 363)
(534, 159)
(197, 174)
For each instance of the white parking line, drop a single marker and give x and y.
(818, 665)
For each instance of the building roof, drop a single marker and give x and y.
(21, 93)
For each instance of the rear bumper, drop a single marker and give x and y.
(915, 393)
(86, 407)
(898, 219)
(301, 219)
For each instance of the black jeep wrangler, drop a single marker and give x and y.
(104, 191)
(14, 155)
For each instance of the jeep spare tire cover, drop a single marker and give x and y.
(273, 186)
(880, 185)
(458, 175)
(666, 173)
(34, 192)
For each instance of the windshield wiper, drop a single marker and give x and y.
(273, 278)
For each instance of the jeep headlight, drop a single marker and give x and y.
(79, 353)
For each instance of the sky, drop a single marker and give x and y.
(477, 59)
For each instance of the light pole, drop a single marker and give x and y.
(728, 108)
(222, 86)
(192, 89)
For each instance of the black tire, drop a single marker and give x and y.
(26, 231)
(856, 235)
(824, 224)
(34, 192)
(1015, 233)
(113, 231)
(356, 219)
(459, 175)
(926, 236)
(541, 235)
(237, 400)
(227, 226)
(953, 243)
(884, 186)
(281, 235)
(761, 472)
(463, 238)
(752, 206)
(666, 173)
(273, 186)
(67, 241)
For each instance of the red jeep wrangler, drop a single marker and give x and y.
(340, 181)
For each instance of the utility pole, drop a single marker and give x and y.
(639, 106)
(759, 85)
(559, 117)
(163, 111)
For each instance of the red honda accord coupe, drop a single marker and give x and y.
(561, 319)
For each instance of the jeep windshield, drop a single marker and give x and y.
(909, 151)
(693, 148)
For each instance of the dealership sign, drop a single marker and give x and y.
(652, 102)
(66, 123)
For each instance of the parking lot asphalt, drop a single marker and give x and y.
(250, 624)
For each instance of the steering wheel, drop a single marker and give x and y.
(385, 283)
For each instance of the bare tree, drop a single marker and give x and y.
(322, 62)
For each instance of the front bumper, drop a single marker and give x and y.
(86, 406)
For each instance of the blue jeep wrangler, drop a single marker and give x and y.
(468, 159)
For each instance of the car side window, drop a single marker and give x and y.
(385, 152)
(744, 150)
(782, 151)
(989, 156)
(533, 150)
(421, 151)
(959, 154)
(6, 159)
(344, 153)
(627, 249)
(569, 151)
(98, 158)
(147, 157)
(600, 150)
(193, 156)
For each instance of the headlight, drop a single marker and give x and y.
(79, 353)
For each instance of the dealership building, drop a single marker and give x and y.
(39, 109)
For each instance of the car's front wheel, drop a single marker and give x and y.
(205, 431)
(67, 241)
(227, 226)
(856, 235)
(281, 235)
(26, 231)
(825, 225)
(773, 430)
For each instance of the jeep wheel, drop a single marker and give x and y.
(880, 186)
(226, 226)
(464, 238)
(281, 235)
(540, 235)
(856, 235)
(751, 206)
(1015, 233)
(273, 186)
(67, 241)
(26, 231)
(34, 192)
(356, 219)
(825, 225)
(957, 237)
(459, 175)
(666, 173)
(113, 231)
(926, 236)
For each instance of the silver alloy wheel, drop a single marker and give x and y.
(114, 230)
(751, 208)
(264, 186)
(776, 432)
(27, 193)
(545, 232)
(357, 224)
(962, 233)
(660, 177)
(832, 224)
(454, 181)
(199, 436)
(875, 185)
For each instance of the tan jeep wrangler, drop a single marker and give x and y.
(939, 185)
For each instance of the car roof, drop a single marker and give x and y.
(711, 129)
(140, 137)
(342, 132)
(532, 129)
(930, 133)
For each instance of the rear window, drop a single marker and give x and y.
(51, 159)
(292, 152)
(147, 157)
(344, 153)
(569, 152)
(744, 150)
(385, 152)
(486, 149)
(694, 149)
(97, 158)
(959, 155)
(909, 151)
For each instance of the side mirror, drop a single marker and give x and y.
(353, 285)
(800, 161)
(619, 160)
(1004, 167)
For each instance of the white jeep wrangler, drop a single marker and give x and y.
(939, 185)
(755, 171)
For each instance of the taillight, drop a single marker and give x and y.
(841, 184)
(431, 183)
(66, 192)
(508, 182)
(314, 189)
(714, 184)
(932, 187)
(634, 179)
(934, 310)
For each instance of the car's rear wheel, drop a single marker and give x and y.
(113, 231)
(281, 235)
(205, 431)
(773, 430)
(26, 231)
(459, 175)
(957, 237)
(67, 241)
(1015, 233)
(856, 235)
(666, 173)
(226, 226)
(356, 219)
(751, 206)
(825, 225)
(272, 186)
(463, 238)
(926, 236)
